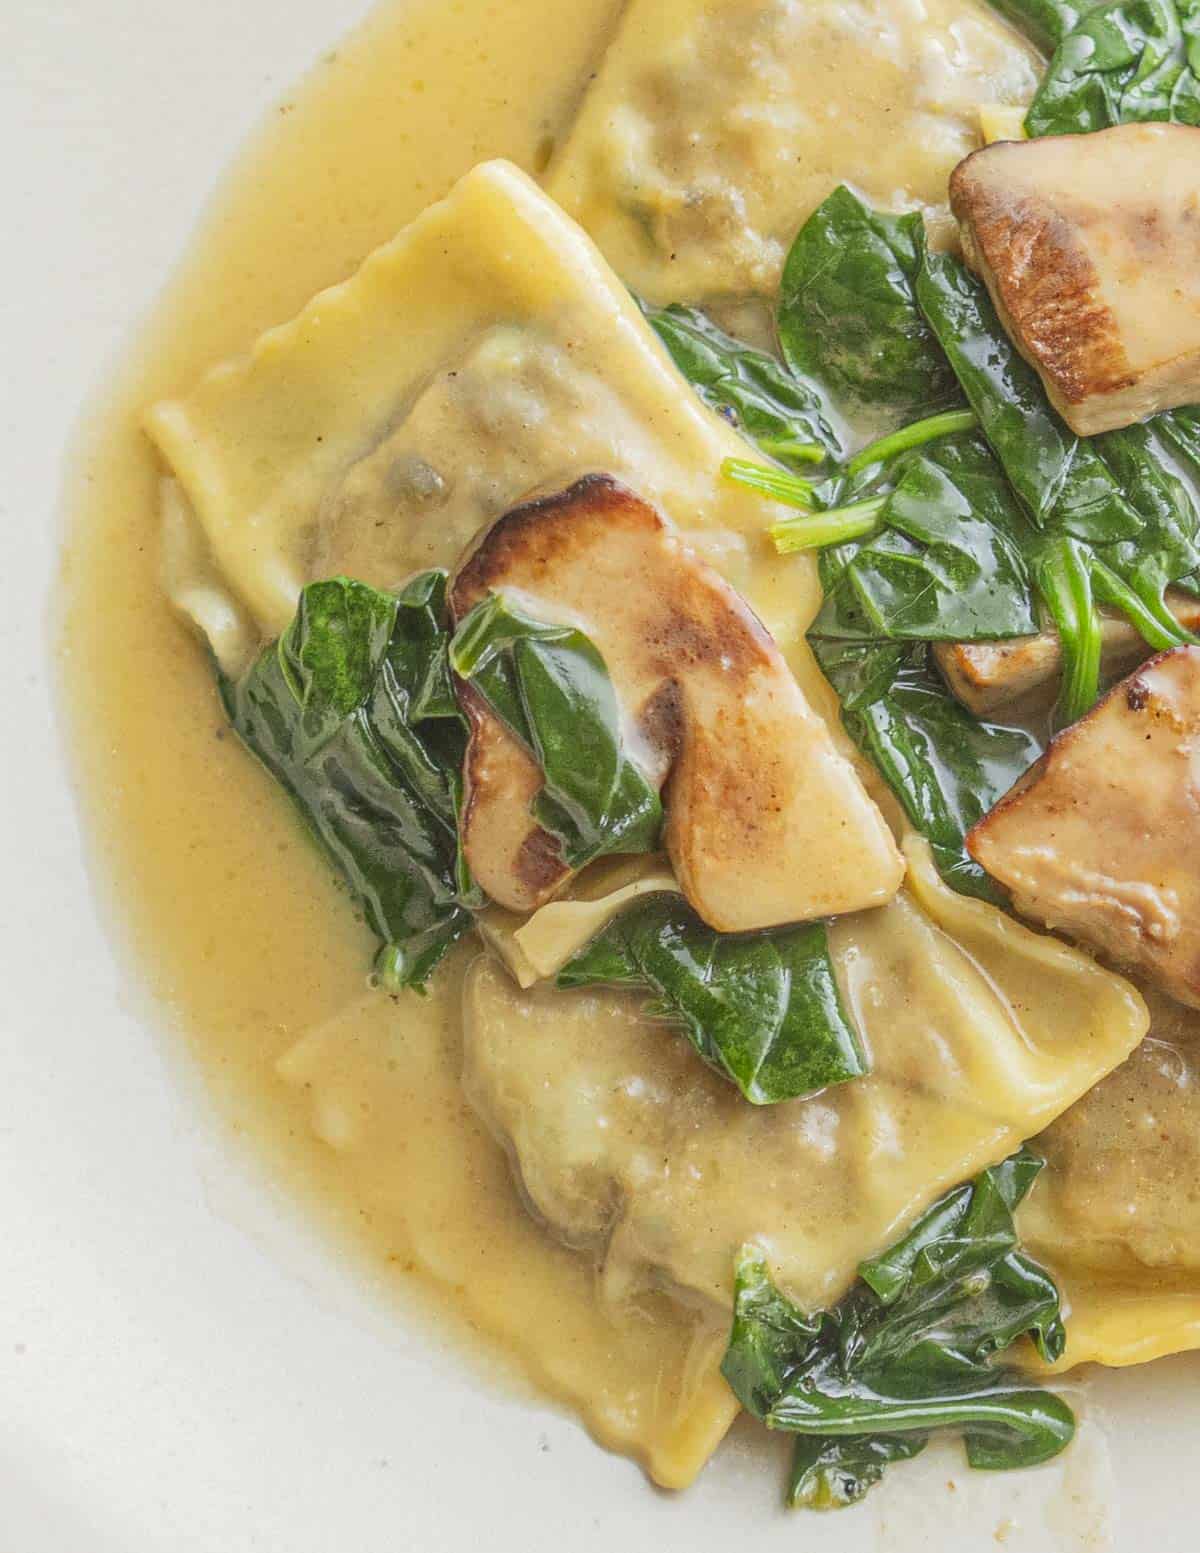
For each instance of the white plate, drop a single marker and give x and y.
(180, 1367)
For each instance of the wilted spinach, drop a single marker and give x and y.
(763, 1009)
(1044, 22)
(830, 1473)
(1121, 62)
(909, 1349)
(1180, 431)
(948, 560)
(780, 412)
(1064, 483)
(550, 686)
(946, 767)
(351, 710)
(1114, 523)
(847, 315)
(1163, 492)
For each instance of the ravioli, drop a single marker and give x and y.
(1117, 1212)
(650, 1387)
(714, 127)
(485, 353)
(627, 1145)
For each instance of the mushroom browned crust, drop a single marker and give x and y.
(1090, 248)
(766, 822)
(1101, 838)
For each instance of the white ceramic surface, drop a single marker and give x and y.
(182, 1370)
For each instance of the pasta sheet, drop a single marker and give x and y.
(715, 126)
(485, 353)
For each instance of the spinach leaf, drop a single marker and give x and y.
(909, 1349)
(1122, 62)
(1064, 483)
(350, 711)
(1142, 457)
(781, 413)
(946, 768)
(1180, 430)
(549, 684)
(830, 1473)
(847, 315)
(948, 562)
(1118, 521)
(1185, 99)
(763, 1009)
(1044, 22)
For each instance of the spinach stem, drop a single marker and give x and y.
(913, 436)
(793, 447)
(815, 531)
(1064, 577)
(1156, 625)
(771, 482)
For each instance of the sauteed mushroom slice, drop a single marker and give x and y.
(1101, 838)
(988, 676)
(1090, 247)
(766, 822)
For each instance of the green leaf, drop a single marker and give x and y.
(1180, 430)
(946, 768)
(985, 1206)
(763, 1009)
(1123, 62)
(1044, 22)
(330, 654)
(948, 563)
(1004, 1425)
(771, 1337)
(1185, 99)
(549, 684)
(1162, 489)
(909, 1349)
(343, 713)
(829, 1474)
(1065, 485)
(847, 314)
(781, 412)
(1118, 514)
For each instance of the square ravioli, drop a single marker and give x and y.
(484, 353)
(980, 1032)
(714, 127)
(1118, 1212)
(649, 1386)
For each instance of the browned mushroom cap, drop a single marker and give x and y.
(1101, 838)
(1090, 247)
(766, 822)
